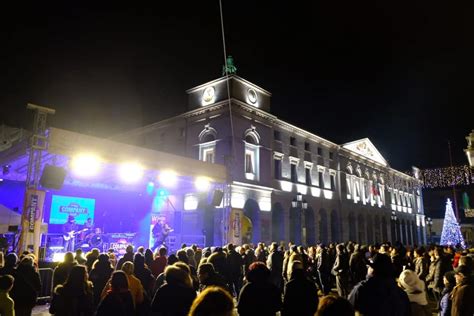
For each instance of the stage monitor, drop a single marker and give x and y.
(63, 206)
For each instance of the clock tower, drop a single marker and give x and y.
(240, 90)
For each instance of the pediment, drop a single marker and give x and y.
(364, 147)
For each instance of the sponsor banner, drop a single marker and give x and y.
(235, 226)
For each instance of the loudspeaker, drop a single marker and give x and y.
(217, 197)
(52, 177)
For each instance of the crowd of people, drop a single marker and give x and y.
(370, 280)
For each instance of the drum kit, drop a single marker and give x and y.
(94, 239)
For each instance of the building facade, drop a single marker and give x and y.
(285, 183)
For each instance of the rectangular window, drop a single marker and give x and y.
(207, 152)
(333, 182)
(308, 176)
(292, 141)
(249, 168)
(277, 135)
(320, 151)
(306, 146)
(349, 187)
(294, 175)
(277, 168)
(331, 155)
(321, 178)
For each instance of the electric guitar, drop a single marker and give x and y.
(73, 234)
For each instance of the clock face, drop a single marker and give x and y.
(208, 95)
(252, 96)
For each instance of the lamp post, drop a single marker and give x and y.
(296, 203)
(393, 217)
(429, 222)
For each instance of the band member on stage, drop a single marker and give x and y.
(88, 229)
(69, 230)
(160, 231)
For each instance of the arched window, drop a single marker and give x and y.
(207, 144)
(252, 158)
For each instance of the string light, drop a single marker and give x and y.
(446, 177)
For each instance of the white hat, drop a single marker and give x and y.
(410, 281)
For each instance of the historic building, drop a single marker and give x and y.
(285, 183)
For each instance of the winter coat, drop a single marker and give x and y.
(61, 273)
(341, 266)
(219, 261)
(117, 304)
(275, 265)
(445, 302)
(158, 265)
(257, 298)
(421, 267)
(301, 296)
(173, 300)
(379, 296)
(26, 287)
(235, 265)
(126, 257)
(358, 267)
(463, 298)
(99, 278)
(437, 270)
(67, 302)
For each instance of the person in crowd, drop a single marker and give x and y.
(416, 291)
(143, 274)
(324, 269)
(340, 270)
(91, 257)
(182, 256)
(421, 263)
(197, 253)
(112, 258)
(208, 277)
(11, 260)
(379, 293)
(148, 258)
(219, 260)
(118, 301)
(100, 275)
(259, 296)
(75, 296)
(396, 261)
(234, 270)
(275, 265)
(192, 274)
(439, 266)
(331, 305)
(463, 292)
(79, 257)
(61, 272)
(26, 287)
(213, 301)
(176, 296)
(128, 256)
(261, 252)
(293, 256)
(248, 258)
(134, 284)
(7, 306)
(445, 303)
(358, 264)
(141, 250)
(301, 295)
(190, 255)
(159, 263)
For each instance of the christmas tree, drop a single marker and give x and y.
(451, 235)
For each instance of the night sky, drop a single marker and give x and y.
(401, 75)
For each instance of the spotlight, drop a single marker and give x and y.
(85, 165)
(202, 184)
(150, 187)
(168, 178)
(131, 172)
(58, 256)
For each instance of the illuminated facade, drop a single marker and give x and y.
(344, 192)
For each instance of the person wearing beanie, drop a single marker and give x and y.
(463, 292)
(415, 289)
(445, 303)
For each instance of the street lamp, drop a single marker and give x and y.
(393, 217)
(299, 202)
(429, 222)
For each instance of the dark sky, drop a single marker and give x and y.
(401, 75)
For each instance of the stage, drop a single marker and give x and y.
(122, 205)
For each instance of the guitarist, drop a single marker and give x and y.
(69, 230)
(160, 231)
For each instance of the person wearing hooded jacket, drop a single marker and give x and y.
(416, 291)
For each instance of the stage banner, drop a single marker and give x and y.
(31, 220)
(235, 226)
